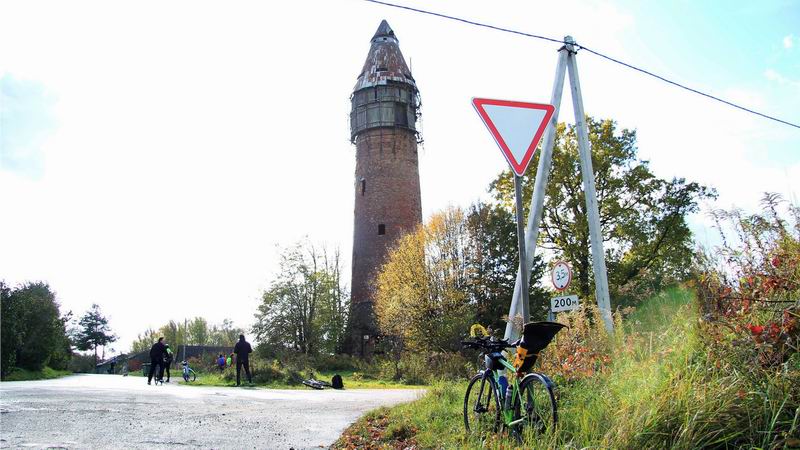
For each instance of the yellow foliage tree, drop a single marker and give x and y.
(422, 289)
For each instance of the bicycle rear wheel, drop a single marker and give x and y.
(481, 406)
(538, 407)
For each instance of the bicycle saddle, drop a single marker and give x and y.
(538, 335)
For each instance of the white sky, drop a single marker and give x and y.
(154, 154)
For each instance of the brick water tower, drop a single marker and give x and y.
(385, 108)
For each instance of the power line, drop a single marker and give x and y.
(478, 24)
(594, 52)
(689, 89)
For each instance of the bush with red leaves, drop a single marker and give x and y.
(749, 287)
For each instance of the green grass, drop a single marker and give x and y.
(19, 374)
(351, 380)
(660, 391)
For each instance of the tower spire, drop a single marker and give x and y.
(384, 31)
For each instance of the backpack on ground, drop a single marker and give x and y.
(336, 382)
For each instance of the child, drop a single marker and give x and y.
(187, 371)
(221, 363)
(229, 361)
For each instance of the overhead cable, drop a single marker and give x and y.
(594, 52)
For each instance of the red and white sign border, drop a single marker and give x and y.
(569, 275)
(517, 167)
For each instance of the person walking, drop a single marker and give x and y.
(156, 358)
(242, 350)
(167, 360)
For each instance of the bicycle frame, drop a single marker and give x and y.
(508, 414)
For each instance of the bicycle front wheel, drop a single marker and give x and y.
(535, 404)
(481, 406)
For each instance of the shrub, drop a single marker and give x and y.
(582, 349)
(416, 368)
(748, 293)
(337, 363)
(749, 288)
(80, 363)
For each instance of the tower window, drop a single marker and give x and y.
(400, 117)
(363, 186)
(381, 229)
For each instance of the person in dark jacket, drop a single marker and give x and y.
(167, 361)
(242, 350)
(156, 358)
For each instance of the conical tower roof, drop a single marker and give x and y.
(384, 62)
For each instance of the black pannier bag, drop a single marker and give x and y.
(535, 337)
(336, 382)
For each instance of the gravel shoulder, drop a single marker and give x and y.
(109, 411)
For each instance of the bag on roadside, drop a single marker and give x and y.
(336, 382)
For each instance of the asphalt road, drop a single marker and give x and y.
(110, 411)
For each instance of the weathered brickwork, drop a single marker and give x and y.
(386, 183)
(386, 193)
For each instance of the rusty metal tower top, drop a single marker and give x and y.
(385, 94)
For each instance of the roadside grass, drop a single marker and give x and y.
(659, 391)
(351, 380)
(19, 374)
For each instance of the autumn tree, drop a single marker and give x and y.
(198, 331)
(643, 217)
(422, 291)
(305, 308)
(144, 341)
(172, 333)
(224, 334)
(93, 331)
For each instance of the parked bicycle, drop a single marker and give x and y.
(188, 373)
(495, 401)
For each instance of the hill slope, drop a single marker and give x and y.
(655, 388)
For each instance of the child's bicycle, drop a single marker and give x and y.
(188, 373)
(522, 400)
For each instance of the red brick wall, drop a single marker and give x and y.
(386, 160)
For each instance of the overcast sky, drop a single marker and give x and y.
(153, 155)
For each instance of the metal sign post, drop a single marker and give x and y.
(566, 61)
(516, 128)
(523, 267)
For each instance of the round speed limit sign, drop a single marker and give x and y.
(561, 275)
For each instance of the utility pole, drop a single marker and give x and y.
(587, 173)
(566, 63)
(185, 336)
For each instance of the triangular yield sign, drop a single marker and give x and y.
(516, 127)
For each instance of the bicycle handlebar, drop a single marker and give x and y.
(488, 344)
